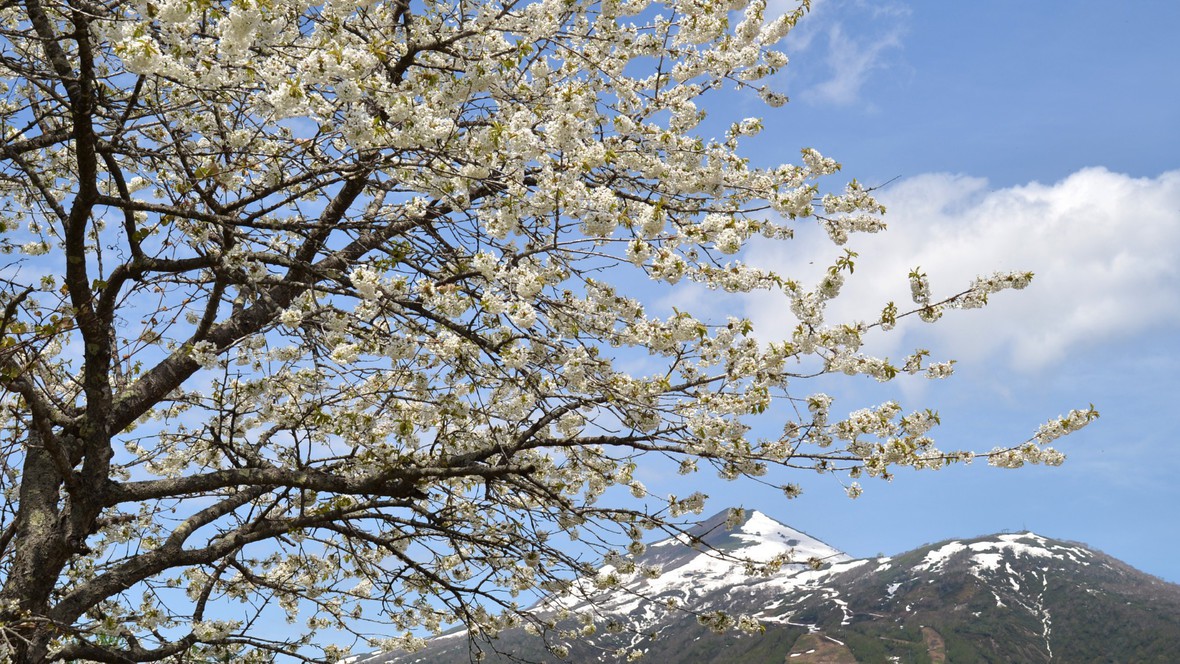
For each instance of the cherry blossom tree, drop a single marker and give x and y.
(326, 309)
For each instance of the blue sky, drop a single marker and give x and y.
(1022, 135)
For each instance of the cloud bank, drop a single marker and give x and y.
(1105, 248)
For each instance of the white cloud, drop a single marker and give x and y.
(1105, 248)
(852, 39)
(850, 62)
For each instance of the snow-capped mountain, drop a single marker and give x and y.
(710, 557)
(1008, 597)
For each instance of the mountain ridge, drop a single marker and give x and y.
(1002, 597)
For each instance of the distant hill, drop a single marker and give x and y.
(1001, 598)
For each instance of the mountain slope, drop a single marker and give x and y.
(1008, 597)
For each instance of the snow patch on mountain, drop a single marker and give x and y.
(936, 558)
(765, 538)
(712, 556)
(988, 561)
(987, 555)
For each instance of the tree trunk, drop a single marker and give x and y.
(39, 557)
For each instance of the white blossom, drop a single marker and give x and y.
(345, 353)
(204, 353)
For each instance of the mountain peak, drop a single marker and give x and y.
(760, 537)
(724, 542)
